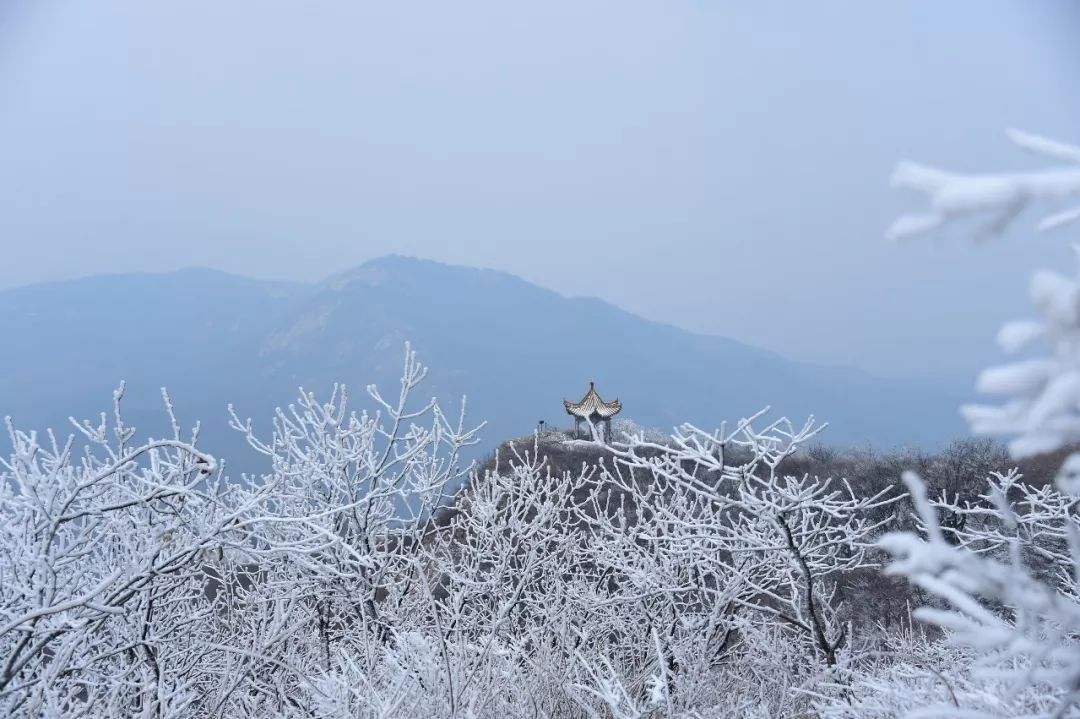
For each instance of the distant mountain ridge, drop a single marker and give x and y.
(514, 348)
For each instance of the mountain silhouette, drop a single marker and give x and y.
(516, 350)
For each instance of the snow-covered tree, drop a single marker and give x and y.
(1005, 577)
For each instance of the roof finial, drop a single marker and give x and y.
(592, 385)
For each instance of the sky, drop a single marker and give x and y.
(720, 166)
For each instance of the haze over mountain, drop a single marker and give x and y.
(514, 348)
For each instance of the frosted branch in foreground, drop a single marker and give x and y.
(1042, 409)
(995, 199)
(1021, 627)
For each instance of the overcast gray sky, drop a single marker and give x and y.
(718, 165)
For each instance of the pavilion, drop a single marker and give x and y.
(593, 409)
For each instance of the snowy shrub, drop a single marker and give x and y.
(1020, 624)
(623, 428)
(689, 577)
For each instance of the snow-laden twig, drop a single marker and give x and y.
(995, 199)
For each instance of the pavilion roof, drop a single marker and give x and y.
(592, 406)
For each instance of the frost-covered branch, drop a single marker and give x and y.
(995, 199)
(1003, 570)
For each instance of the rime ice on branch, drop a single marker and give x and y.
(1006, 569)
(1043, 409)
(995, 199)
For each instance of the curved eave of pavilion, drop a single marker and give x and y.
(592, 406)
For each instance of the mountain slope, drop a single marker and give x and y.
(515, 349)
(70, 343)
